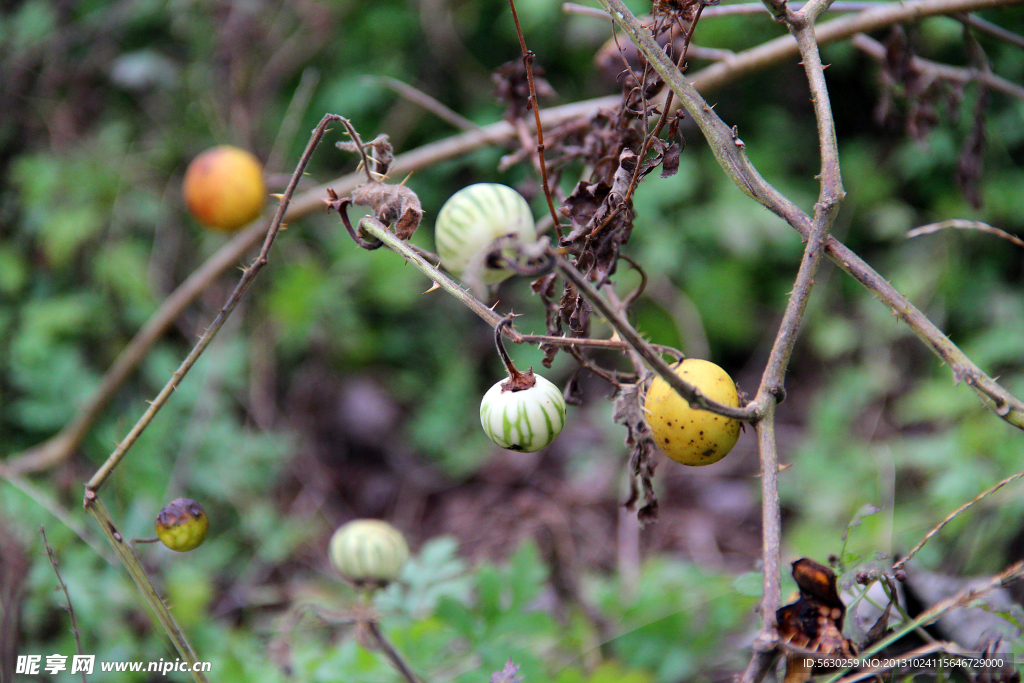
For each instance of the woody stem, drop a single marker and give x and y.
(513, 373)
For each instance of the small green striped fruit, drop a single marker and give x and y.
(368, 552)
(526, 420)
(472, 219)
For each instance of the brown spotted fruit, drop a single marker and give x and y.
(688, 435)
(223, 188)
(182, 525)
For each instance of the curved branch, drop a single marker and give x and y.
(729, 151)
(246, 280)
(785, 47)
(59, 447)
(955, 74)
(649, 353)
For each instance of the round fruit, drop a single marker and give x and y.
(687, 435)
(524, 420)
(224, 189)
(182, 525)
(368, 552)
(472, 219)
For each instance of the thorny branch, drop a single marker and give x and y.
(528, 63)
(52, 556)
(729, 151)
(379, 231)
(650, 355)
(733, 160)
(128, 558)
(92, 503)
(60, 447)
(953, 515)
(243, 284)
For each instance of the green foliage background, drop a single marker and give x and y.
(105, 104)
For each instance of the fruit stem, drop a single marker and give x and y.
(517, 381)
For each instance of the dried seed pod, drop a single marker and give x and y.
(814, 623)
(182, 525)
(368, 552)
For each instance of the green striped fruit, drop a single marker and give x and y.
(472, 219)
(368, 552)
(526, 420)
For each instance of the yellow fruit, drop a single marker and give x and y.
(182, 525)
(689, 436)
(223, 188)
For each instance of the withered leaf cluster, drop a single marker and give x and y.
(619, 147)
(512, 87)
(629, 413)
(917, 100)
(392, 205)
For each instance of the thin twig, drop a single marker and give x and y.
(932, 614)
(983, 26)
(45, 499)
(71, 610)
(832, 193)
(641, 346)
(364, 161)
(360, 616)
(890, 592)
(953, 515)
(431, 104)
(960, 224)
(956, 74)
(243, 284)
(292, 118)
(751, 8)
(528, 63)
(771, 521)
(606, 375)
(635, 294)
(128, 558)
(396, 658)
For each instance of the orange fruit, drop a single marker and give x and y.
(223, 188)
